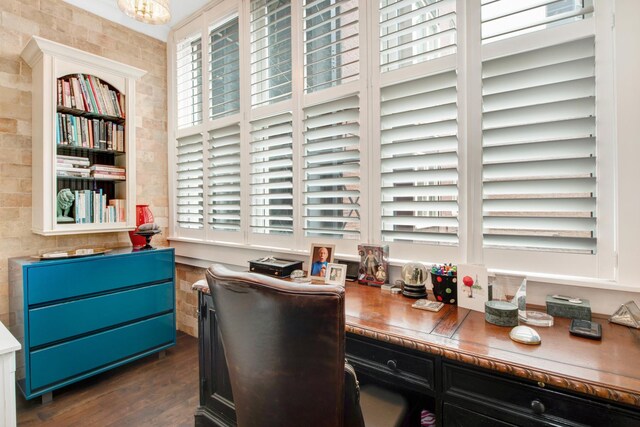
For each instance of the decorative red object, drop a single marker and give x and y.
(467, 281)
(143, 216)
(439, 279)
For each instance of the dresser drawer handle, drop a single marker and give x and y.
(537, 407)
(392, 364)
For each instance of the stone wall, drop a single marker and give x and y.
(186, 299)
(60, 22)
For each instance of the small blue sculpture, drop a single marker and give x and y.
(64, 201)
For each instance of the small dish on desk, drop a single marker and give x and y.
(76, 253)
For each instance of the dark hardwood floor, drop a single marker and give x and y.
(147, 392)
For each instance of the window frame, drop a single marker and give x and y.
(601, 267)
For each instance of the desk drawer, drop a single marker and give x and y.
(509, 399)
(51, 280)
(95, 352)
(68, 319)
(397, 366)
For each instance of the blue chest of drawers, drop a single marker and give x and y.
(78, 317)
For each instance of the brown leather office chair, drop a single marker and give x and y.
(284, 344)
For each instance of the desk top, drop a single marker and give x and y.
(608, 369)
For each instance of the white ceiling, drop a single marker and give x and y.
(108, 9)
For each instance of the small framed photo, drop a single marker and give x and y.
(336, 274)
(319, 258)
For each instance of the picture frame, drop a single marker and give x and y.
(374, 265)
(336, 274)
(473, 286)
(320, 255)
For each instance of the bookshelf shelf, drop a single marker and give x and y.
(89, 115)
(83, 125)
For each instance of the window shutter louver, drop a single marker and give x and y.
(270, 51)
(224, 178)
(190, 182)
(413, 31)
(331, 41)
(224, 65)
(419, 161)
(508, 18)
(539, 149)
(272, 175)
(189, 82)
(332, 169)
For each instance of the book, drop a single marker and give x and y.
(99, 167)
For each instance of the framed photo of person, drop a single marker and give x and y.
(320, 256)
(336, 274)
(374, 265)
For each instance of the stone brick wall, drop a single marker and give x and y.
(186, 299)
(60, 22)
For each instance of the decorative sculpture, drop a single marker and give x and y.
(65, 199)
(147, 231)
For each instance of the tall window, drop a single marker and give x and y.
(386, 122)
(272, 175)
(332, 169)
(189, 82)
(419, 162)
(415, 31)
(270, 51)
(224, 66)
(539, 131)
(331, 40)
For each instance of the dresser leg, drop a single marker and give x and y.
(162, 354)
(47, 398)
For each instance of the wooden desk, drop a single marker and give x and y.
(468, 371)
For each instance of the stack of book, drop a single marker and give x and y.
(89, 133)
(89, 93)
(108, 172)
(91, 207)
(72, 166)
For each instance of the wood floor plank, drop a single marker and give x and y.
(150, 391)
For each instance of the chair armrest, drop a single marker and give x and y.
(352, 412)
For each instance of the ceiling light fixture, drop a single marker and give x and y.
(147, 11)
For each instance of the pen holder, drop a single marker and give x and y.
(445, 288)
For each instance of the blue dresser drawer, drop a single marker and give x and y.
(53, 280)
(71, 318)
(94, 353)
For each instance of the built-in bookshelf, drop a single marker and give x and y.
(83, 140)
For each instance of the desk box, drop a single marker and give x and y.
(274, 267)
(561, 308)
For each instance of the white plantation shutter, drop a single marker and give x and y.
(507, 18)
(189, 82)
(270, 51)
(224, 178)
(332, 169)
(224, 65)
(413, 31)
(331, 41)
(539, 149)
(419, 161)
(272, 175)
(190, 182)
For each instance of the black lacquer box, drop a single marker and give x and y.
(274, 266)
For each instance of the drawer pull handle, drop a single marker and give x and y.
(392, 364)
(537, 407)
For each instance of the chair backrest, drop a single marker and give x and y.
(284, 345)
